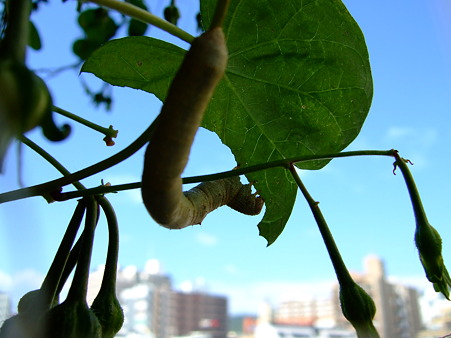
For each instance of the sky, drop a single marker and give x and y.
(366, 206)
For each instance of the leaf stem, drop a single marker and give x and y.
(285, 163)
(145, 16)
(341, 271)
(108, 132)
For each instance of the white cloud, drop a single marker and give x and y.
(206, 239)
(416, 142)
(6, 281)
(28, 279)
(396, 133)
(231, 269)
(423, 138)
(18, 284)
(418, 282)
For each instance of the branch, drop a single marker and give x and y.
(146, 17)
(105, 189)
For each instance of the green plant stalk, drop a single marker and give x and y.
(49, 158)
(108, 132)
(357, 305)
(53, 277)
(44, 188)
(106, 305)
(113, 242)
(79, 291)
(50, 186)
(73, 317)
(417, 204)
(70, 263)
(145, 16)
(341, 271)
(427, 239)
(285, 163)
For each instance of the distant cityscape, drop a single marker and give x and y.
(154, 308)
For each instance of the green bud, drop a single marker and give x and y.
(429, 244)
(71, 319)
(359, 309)
(172, 14)
(21, 325)
(109, 312)
(427, 239)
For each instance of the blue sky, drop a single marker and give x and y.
(367, 207)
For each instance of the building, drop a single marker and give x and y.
(145, 297)
(199, 312)
(305, 312)
(5, 307)
(398, 312)
(152, 308)
(242, 325)
(436, 310)
(298, 319)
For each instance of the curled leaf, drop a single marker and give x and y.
(51, 131)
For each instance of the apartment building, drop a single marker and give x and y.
(398, 312)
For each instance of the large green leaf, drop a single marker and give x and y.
(298, 82)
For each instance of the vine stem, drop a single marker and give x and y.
(285, 163)
(53, 277)
(44, 189)
(108, 132)
(41, 189)
(109, 277)
(49, 158)
(145, 16)
(341, 271)
(417, 205)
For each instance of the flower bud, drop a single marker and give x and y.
(429, 244)
(359, 309)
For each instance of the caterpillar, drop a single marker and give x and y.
(169, 147)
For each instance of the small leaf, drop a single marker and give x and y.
(172, 14)
(83, 48)
(136, 28)
(97, 25)
(34, 40)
